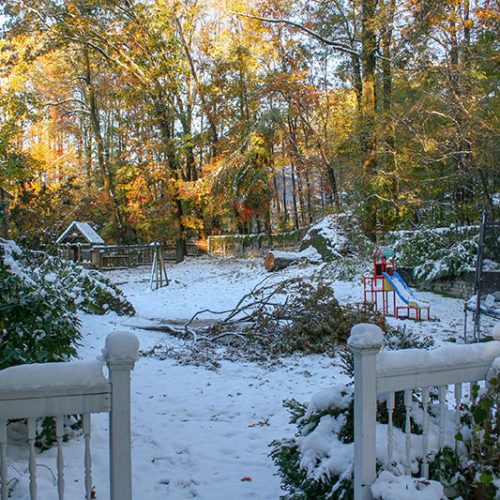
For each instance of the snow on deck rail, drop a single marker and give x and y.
(78, 387)
(384, 373)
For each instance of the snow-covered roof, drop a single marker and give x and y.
(387, 252)
(85, 229)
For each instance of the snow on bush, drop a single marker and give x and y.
(38, 323)
(318, 462)
(92, 292)
(38, 303)
(436, 253)
(336, 237)
(391, 487)
(89, 290)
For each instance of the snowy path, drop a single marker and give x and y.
(199, 433)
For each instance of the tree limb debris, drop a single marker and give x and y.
(273, 319)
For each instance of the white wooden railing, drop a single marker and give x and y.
(381, 374)
(37, 391)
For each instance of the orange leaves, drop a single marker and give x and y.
(487, 14)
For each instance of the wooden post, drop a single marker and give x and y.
(365, 342)
(120, 353)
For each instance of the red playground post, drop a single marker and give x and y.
(386, 286)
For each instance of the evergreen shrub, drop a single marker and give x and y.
(38, 305)
(436, 253)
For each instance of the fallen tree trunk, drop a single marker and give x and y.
(276, 262)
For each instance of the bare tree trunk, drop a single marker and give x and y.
(208, 112)
(294, 196)
(388, 8)
(166, 128)
(285, 204)
(107, 177)
(368, 113)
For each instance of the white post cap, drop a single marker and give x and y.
(365, 336)
(121, 347)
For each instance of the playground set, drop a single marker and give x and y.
(385, 289)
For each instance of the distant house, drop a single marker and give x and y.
(77, 240)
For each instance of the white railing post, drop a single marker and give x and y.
(120, 353)
(365, 342)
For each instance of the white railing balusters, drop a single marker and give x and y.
(64, 392)
(32, 456)
(3, 459)
(425, 432)
(60, 457)
(458, 401)
(442, 408)
(408, 401)
(379, 372)
(390, 428)
(87, 456)
(471, 401)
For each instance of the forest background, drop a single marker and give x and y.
(169, 119)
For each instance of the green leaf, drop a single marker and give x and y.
(479, 415)
(486, 478)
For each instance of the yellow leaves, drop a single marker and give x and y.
(192, 222)
(486, 14)
(214, 166)
(468, 23)
(257, 143)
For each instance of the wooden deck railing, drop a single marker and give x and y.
(36, 391)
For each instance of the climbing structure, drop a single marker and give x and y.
(386, 288)
(378, 293)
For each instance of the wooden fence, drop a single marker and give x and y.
(384, 373)
(34, 392)
(124, 256)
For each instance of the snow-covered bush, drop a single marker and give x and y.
(472, 470)
(436, 253)
(336, 237)
(92, 292)
(38, 303)
(317, 463)
(38, 323)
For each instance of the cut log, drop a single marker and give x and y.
(274, 262)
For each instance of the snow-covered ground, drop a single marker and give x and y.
(199, 432)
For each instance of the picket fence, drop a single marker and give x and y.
(379, 375)
(34, 392)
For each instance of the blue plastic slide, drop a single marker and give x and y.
(403, 292)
